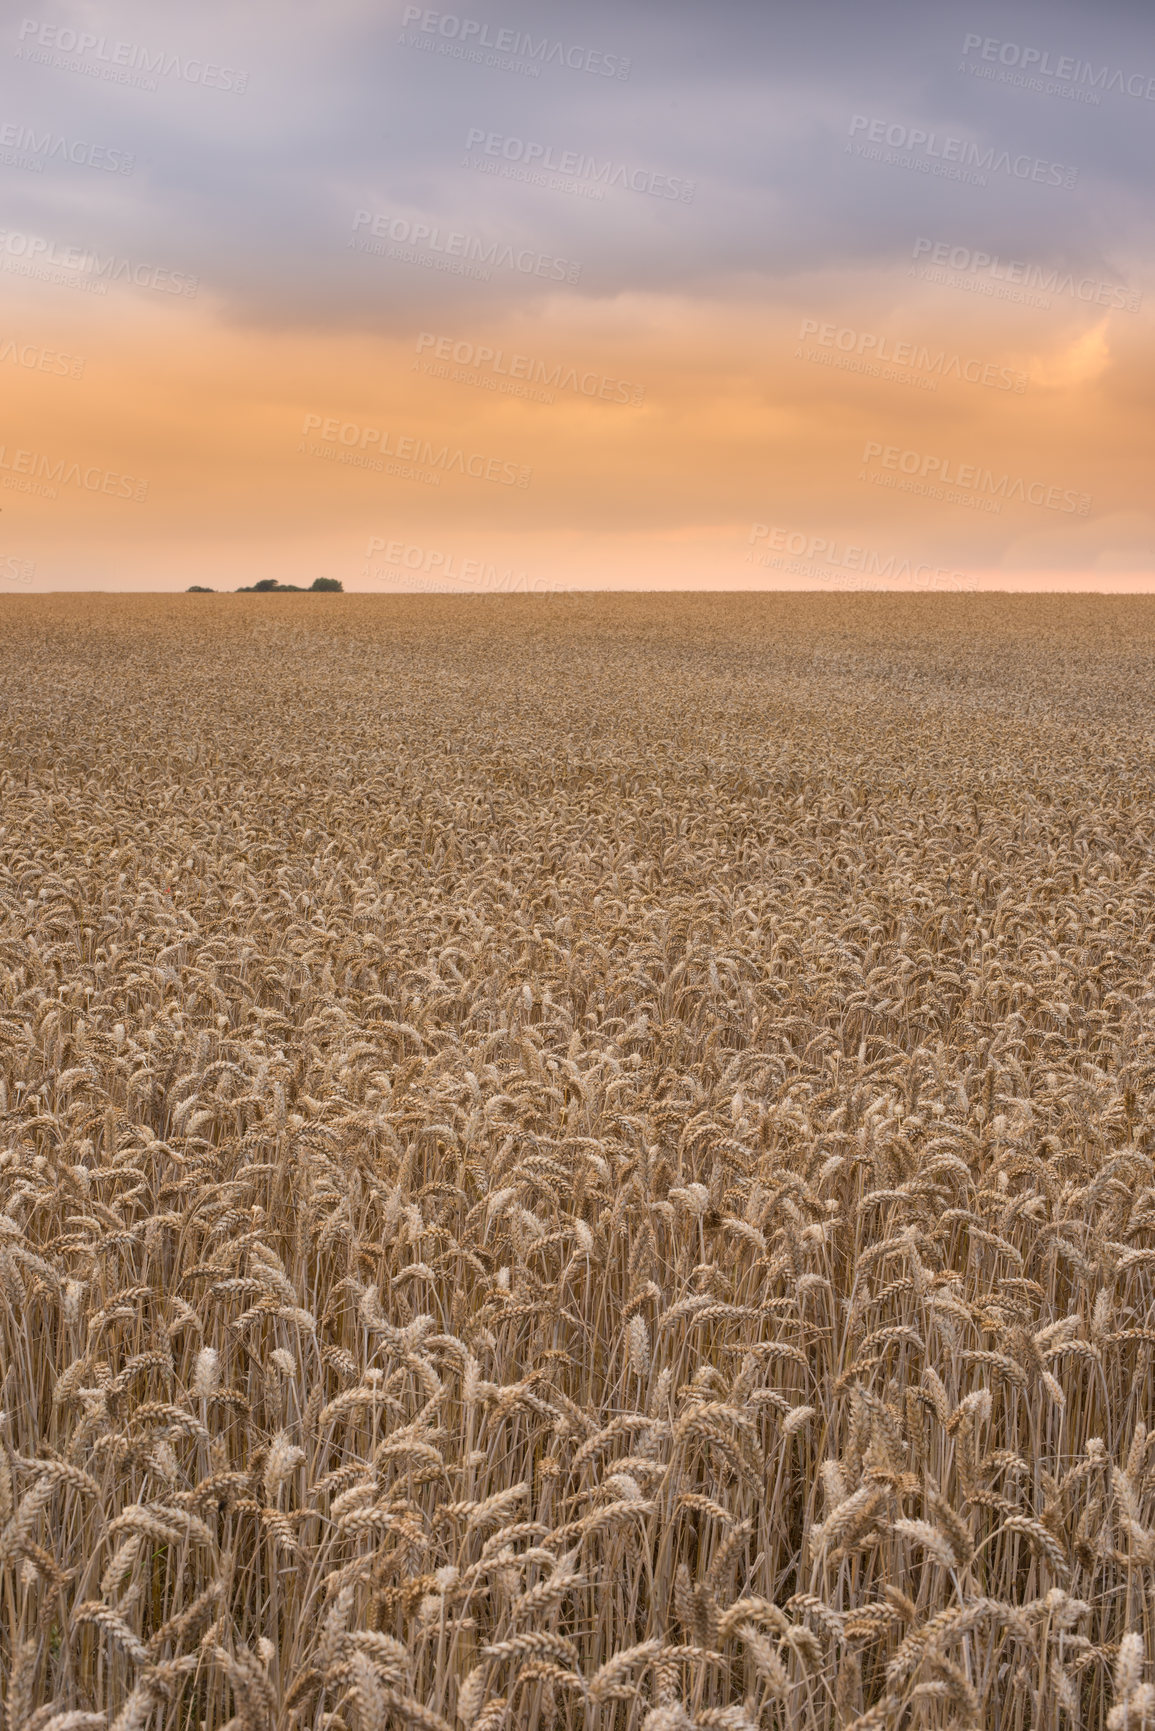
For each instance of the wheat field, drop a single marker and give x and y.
(580, 1163)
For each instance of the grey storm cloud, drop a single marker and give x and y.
(345, 167)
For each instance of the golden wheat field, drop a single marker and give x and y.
(577, 1163)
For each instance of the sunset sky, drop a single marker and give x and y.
(639, 295)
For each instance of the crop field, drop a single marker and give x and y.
(583, 1162)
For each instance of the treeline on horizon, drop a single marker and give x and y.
(269, 585)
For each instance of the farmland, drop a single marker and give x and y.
(580, 1162)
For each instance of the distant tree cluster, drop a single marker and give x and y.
(270, 586)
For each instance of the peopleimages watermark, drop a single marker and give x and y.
(506, 50)
(963, 483)
(516, 171)
(987, 273)
(801, 555)
(70, 50)
(82, 267)
(901, 362)
(38, 359)
(365, 447)
(952, 158)
(1052, 74)
(14, 570)
(516, 375)
(398, 470)
(32, 472)
(24, 147)
(396, 237)
(427, 566)
(535, 163)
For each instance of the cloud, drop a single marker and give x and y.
(341, 110)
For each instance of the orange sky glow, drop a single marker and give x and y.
(873, 412)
